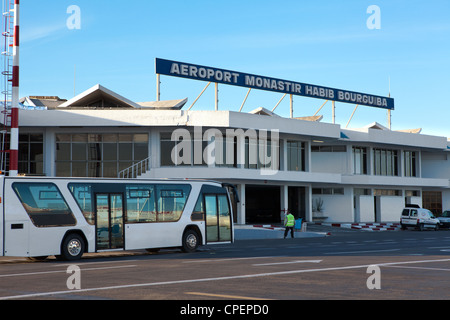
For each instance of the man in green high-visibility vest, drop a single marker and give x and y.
(289, 222)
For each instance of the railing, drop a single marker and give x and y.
(135, 170)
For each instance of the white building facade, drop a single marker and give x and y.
(319, 171)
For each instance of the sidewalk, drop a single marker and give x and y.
(313, 229)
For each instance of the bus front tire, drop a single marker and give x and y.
(72, 247)
(191, 241)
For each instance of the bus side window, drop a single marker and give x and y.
(83, 195)
(171, 200)
(199, 211)
(44, 204)
(140, 203)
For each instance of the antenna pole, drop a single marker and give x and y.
(389, 119)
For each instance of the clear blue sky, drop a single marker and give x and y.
(318, 42)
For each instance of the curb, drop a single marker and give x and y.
(264, 226)
(373, 226)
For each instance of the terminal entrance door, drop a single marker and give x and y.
(297, 201)
(109, 221)
(262, 204)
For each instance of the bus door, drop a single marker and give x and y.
(218, 218)
(109, 221)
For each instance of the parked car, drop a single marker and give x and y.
(444, 219)
(418, 218)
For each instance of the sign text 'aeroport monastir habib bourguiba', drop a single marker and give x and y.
(197, 72)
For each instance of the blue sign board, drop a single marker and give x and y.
(203, 73)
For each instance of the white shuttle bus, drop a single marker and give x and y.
(66, 217)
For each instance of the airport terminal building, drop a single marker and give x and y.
(319, 171)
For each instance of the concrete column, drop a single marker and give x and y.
(284, 200)
(241, 205)
(308, 164)
(308, 205)
(350, 164)
(401, 163)
(370, 164)
(49, 152)
(419, 164)
(283, 160)
(154, 148)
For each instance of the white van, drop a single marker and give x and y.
(418, 218)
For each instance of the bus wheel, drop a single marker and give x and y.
(72, 247)
(190, 241)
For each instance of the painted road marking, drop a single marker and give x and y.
(357, 252)
(226, 296)
(60, 271)
(231, 259)
(246, 276)
(289, 262)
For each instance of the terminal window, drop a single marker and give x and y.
(359, 160)
(410, 159)
(385, 162)
(98, 155)
(296, 156)
(31, 154)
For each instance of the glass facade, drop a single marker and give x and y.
(385, 162)
(257, 153)
(432, 200)
(295, 156)
(410, 159)
(184, 153)
(31, 154)
(98, 155)
(359, 160)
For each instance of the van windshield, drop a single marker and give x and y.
(430, 214)
(446, 214)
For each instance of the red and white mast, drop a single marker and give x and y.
(14, 142)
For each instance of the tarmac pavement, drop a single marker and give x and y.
(252, 232)
(241, 232)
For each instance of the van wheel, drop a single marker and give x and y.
(421, 227)
(437, 227)
(190, 241)
(72, 247)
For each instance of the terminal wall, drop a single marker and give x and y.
(337, 208)
(389, 208)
